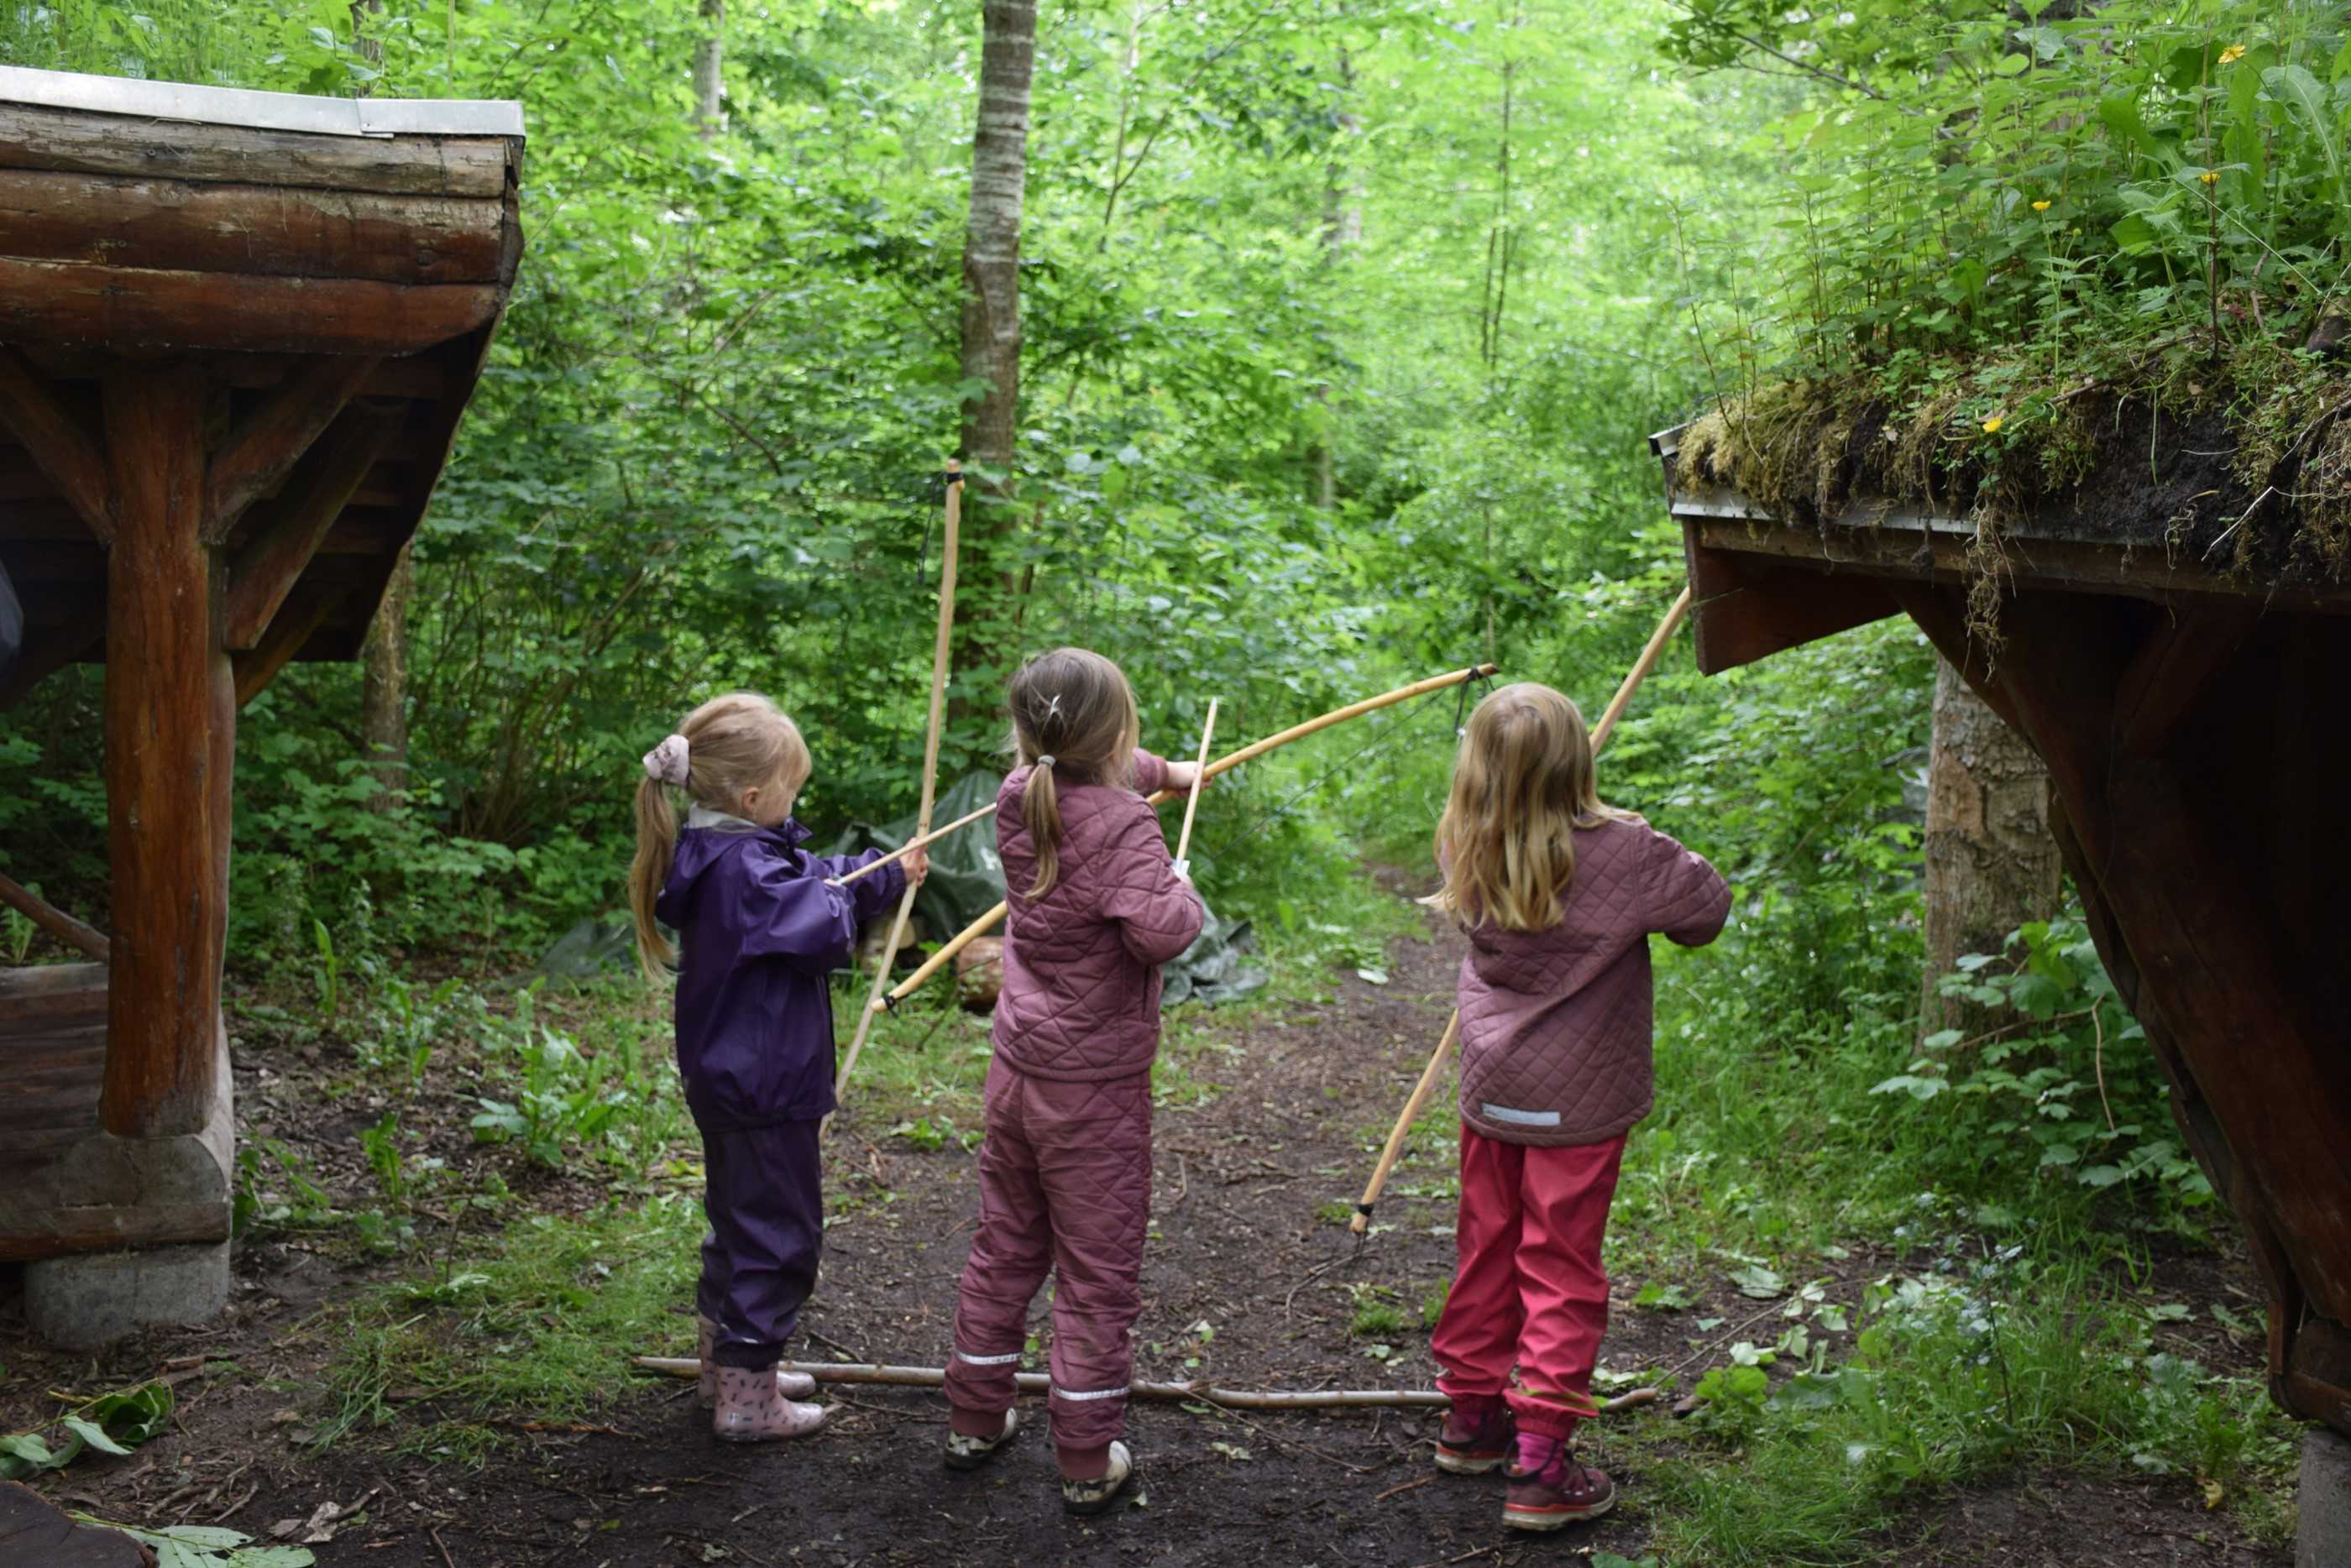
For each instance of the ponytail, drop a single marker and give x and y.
(657, 846)
(1041, 809)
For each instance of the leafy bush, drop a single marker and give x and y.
(2068, 1088)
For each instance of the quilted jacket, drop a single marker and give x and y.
(1080, 997)
(757, 932)
(1555, 1023)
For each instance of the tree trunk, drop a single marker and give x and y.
(1342, 231)
(991, 331)
(364, 43)
(1991, 861)
(384, 688)
(709, 76)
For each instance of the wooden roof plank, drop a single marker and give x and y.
(70, 141)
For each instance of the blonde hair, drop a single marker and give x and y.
(735, 743)
(1522, 786)
(1076, 707)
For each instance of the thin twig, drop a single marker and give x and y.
(445, 1558)
(1407, 1486)
(2098, 1061)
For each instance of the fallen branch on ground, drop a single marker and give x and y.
(1164, 1393)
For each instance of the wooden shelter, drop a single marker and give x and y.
(2197, 727)
(237, 330)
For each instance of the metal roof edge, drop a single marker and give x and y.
(253, 111)
(1666, 442)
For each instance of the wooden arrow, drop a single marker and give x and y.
(925, 842)
(1199, 777)
(1429, 1075)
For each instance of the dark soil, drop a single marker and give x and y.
(1245, 1284)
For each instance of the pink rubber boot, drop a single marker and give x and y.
(753, 1409)
(793, 1384)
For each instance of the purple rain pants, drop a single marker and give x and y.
(763, 1193)
(1064, 1184)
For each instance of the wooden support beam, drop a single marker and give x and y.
(168, 699)
(52, 919)
(2170, 672)
(283, 230)
(262, 447)
(1892, 550)
(286, 537)
(289, 629)
(153, 309)
(1748, 606)
(59, 445)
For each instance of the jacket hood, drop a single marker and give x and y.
(709, 839)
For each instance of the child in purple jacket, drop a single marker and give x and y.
(1065, 1174)
(760, 932)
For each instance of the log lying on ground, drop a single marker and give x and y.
(1166, 1393)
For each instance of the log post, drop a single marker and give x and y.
(170, 710)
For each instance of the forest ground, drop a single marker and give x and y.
(300, 1398)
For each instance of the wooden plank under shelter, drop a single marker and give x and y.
(2197, 734)
(237, 333)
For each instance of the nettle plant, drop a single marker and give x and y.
(2069, 1081)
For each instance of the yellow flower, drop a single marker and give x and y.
(2040, 206)
(1991, 425)
(2210, 177)
(2232, 53)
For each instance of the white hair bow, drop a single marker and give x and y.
(667, 763)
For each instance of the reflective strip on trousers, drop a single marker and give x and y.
(1095, 1393)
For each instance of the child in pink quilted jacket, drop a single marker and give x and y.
(1559, 894)
(1065, 1173)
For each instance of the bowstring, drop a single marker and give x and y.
(1289, 803)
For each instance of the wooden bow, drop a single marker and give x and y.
(930, 769)
(1429, 1075)
(979, 927)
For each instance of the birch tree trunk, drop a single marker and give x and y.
(709, 76)
(1342, 231)
(1991, 863)
(991, 328)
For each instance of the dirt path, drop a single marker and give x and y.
(1244, 1283)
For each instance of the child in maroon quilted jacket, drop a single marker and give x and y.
(760, 929)
(1560, 895)
(1065, 1173)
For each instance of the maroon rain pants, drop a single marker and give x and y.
(1064, 1186)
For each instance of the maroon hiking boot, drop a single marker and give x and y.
(1549, 1489)
(1476, 1438)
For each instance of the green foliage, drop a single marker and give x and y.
(2075, 181)
(113, 1424)
(2069, 1089)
